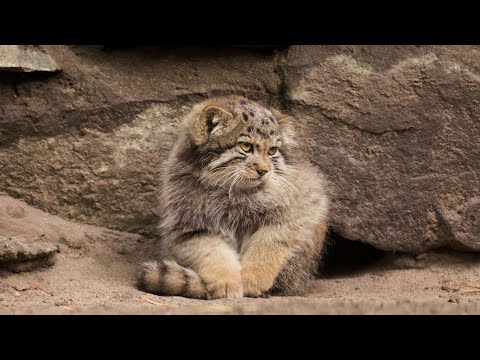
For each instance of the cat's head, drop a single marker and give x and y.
(240, 143)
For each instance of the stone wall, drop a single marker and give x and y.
(395, 128)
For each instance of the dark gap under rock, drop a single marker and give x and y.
(343, 257)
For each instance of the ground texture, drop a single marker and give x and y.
(101, 281)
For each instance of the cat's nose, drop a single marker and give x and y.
(262, 172)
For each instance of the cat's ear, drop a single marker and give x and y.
(286, 123)
(211, 120)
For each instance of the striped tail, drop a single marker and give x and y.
(166, 277)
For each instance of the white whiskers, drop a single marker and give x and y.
(285, 187)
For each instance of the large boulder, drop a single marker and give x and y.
(396, 129)
(86, 143)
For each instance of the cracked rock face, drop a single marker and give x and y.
(85, 144)
(395, 128)
(397, 131)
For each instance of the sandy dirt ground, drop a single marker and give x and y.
(94, 271)
(100, 280)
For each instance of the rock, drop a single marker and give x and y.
(86, 144)
(30, 238)
(462, 223)
(25, 59)
(396, 130)
(24, 286)
(24, 244)
(19, 254)
(454, 299)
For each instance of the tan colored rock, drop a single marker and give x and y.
(396, 130)
(25, 59)
(86, 144)
(29, 238)
(20, 254)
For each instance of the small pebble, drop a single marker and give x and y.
(21, 286)
(454, 299)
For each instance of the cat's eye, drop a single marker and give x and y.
(247, 147)
(272, 151)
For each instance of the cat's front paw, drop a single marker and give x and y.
(221, 288)
(254, 285)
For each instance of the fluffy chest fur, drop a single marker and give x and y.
(232, 170)
(191, 206)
